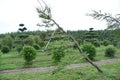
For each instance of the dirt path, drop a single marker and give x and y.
(44, 69)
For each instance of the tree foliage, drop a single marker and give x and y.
(8, 41)
(90, 50)
(5, 49)
(110, 51)
(58, 53)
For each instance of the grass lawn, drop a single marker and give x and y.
(13, 60)
(111, 72)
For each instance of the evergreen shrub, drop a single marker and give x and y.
(29, 53)
(110, 51)
(90, 50)
(5, 49)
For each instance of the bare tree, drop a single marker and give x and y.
(45, 14)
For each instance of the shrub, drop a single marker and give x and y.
(36, 46)
(96, 43)
(58, 53)
(5, 49)
(29, 41)
(29, 53)
(110, 51)
(106, 42)
(90, 50)
(115, 43)
(19, 48)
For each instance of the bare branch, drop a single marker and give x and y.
(112, 22)
(50, 40)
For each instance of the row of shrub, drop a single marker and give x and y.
(90, 50)
(6, 49)
(98, 43)
(29, 52)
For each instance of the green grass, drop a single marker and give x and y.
(13, 60)
(11, 54)
(110, 72)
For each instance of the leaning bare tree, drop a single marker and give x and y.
(45, 14)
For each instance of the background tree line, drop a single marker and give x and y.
(40, 38)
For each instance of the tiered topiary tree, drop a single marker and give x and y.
(20, 40)
(92, 37)
(22, 36)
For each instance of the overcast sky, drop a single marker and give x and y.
(70, 14)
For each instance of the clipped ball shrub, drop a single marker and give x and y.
(90, 50)
(5, 49)
(58, 53)
(110, 51)
(29, 53)
(36, 46)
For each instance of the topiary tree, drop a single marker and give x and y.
(22, 36)
(5, 49)
(91, 35)
(96, 43)
(29, 53)
(110, 51)
(58, 54)
(18, 44)
(106, 42)
(29, 40)
(90, 50)
(19, 48)
(37, 39)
